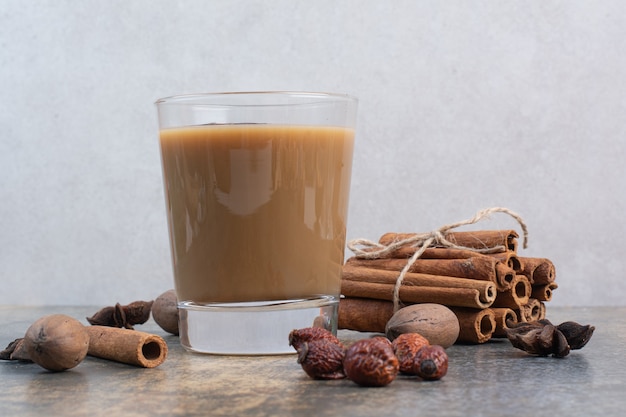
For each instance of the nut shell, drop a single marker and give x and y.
(371, 362)
(56, 342)
(165, 311)
(437, 323)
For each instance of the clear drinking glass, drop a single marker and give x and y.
(257, 188)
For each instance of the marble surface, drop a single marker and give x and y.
(492, 379)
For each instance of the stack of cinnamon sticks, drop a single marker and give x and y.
(485, 291)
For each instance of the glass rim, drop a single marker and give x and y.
(200, 99)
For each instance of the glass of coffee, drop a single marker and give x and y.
(257, 187)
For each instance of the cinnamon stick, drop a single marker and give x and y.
(463, 297)
(483, 267)
(127, 346)
(406, 252)
(476, 326)
(486, 289)
(504, 276)
(543, 292)
(516, 296)
(479, 239)
(542, 310)
(364, 315)
(539, 271)
(477, 267)
(508, 258)
(531, 311)
(505, 269)
(503, 317)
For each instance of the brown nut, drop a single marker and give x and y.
(435, 322)
(307, 334)
(322, 359)
(431, 362)
(406, 347)
(165, 311)
(56, 342)
(371, 362)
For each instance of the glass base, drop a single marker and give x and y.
(258, 328)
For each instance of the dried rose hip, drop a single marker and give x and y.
(406, 347)
(371, 362)
(431, 362)
(321, 359)
(307, 334)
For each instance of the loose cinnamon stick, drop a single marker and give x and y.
(543, 292)
(479, 239)
(503, 317)
(476, 326)
(127, 346)
(364, 315)
(540, 271)
(516, 296)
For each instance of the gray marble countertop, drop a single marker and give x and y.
(492, 379)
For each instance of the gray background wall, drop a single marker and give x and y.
(463, 105)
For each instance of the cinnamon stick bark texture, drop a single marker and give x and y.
(477, 326)
(540, 271)
(462, 297)
(542, 310)
(543, 292)
(434, 253)
(355, 279)
(516, 296)
(483, 267)
(480, 239)
(503, 316)
(531, 311)
(127, 346)
(364, 315)
(508, 258)
(504, 276)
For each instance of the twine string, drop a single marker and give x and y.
(367, 249)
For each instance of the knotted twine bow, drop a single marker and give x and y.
(367, 249)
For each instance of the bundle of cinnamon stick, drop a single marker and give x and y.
(485, 290)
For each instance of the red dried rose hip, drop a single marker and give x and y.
(321, 359)
(406, 347)
(431, 362)
(307, 334)
(371, 362)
